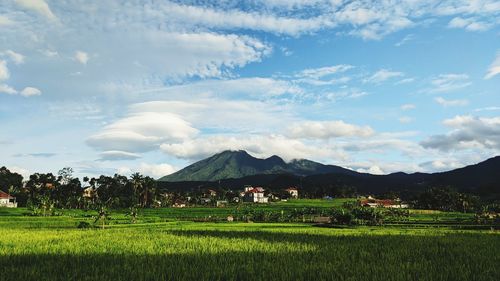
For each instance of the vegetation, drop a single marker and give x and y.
(37, 248)
(238, 164)
(125, 229)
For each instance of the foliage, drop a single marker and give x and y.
(446, 199)
(239, 251)
(83, 224)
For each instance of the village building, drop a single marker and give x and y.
(294, 192)
(179, 204)
(383, 203)
(255, 195)
(89, 192)
(221, 203)
(210, 193)
(273, 196)
(6, 200)
(205, 200)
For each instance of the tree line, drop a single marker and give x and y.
(43, 192)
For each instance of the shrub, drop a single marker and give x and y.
(341, 216)
(83, 224)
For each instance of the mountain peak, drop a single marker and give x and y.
(238, 163)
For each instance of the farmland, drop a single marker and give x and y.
(160, 246)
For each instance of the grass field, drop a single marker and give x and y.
(160, 247)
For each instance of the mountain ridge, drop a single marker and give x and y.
(237, 164)
(315, 178)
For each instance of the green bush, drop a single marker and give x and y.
(83, 224)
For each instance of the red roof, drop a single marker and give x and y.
(383, 202)
(4, 195)
(291, 189)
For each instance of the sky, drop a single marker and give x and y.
(150, 86)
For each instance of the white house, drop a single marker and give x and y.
(255, 195)
(89, 192)
(7, 201)
(294, 192)
(383, 203)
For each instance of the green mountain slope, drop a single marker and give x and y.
(237, 164)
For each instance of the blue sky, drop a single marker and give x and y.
(151, 86)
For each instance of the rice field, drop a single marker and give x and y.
(52, 248)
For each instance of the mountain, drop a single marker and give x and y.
(238, 164)
(233, 169)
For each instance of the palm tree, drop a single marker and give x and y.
(102, 215)
(138, 185)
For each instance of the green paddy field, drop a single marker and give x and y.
(172, 244)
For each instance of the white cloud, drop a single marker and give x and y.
(26, 92)
(316, 73)
(405, 40)
(177, 55)
(235, 115)
(4, 71)
(404, 81)
(469, 24)
(374, 170)
(30, 91)
(5, 21)
(115, 155)
(156, 170)
(125, 171)
(39, 6)
(257, 145)
(449, 82)
(383, 143)
(13, 56)
(49, 53)
(488, 108)
(22, 171)
(6, 89)
(408, 106)
(382, 166)
(81, 57)
(383, 75)
(448, 103)
(442, 165)
(140, 132)
(405, 119)
(327, 129)
(231, 19)
(494, 68)
(468, 132)
(324, 75)
(349, 93)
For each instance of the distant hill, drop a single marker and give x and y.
(238, 164)
(233, 169)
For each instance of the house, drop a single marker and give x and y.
(382, 203)
(89, 192)
(210, 193)
(273, 196)
(7, 201)
(205, 200)
(221, 203)
(322, 219)
(294, 192)
(255, 195)
(179, 204)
